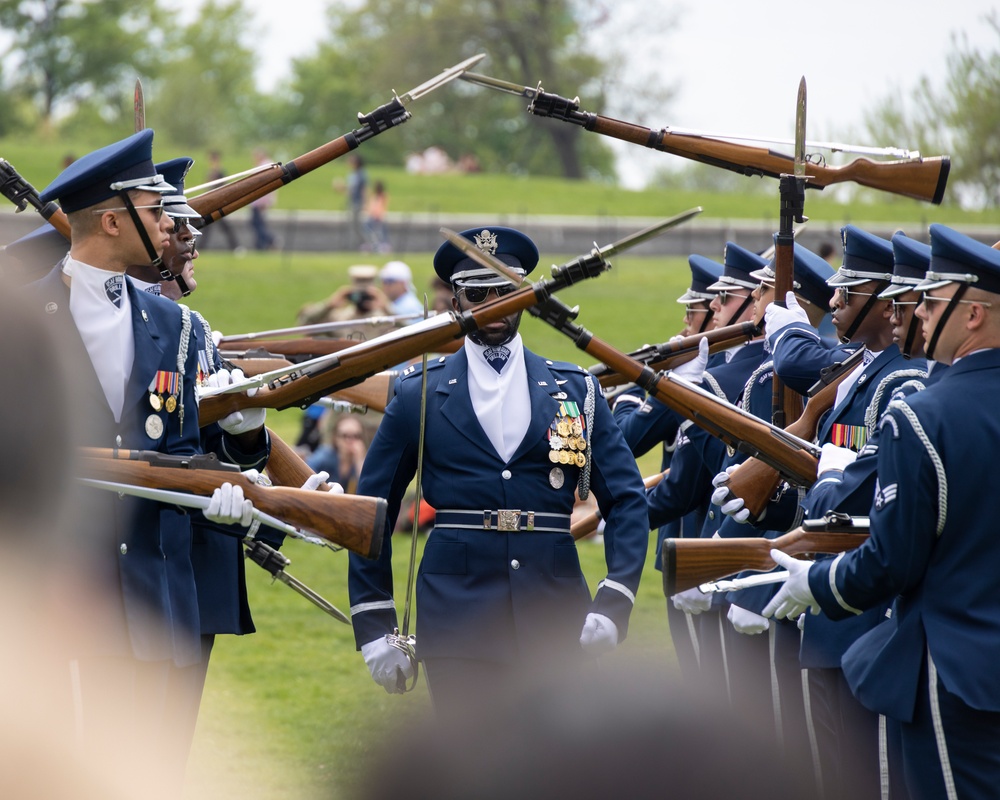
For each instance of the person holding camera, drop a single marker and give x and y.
(358, 299)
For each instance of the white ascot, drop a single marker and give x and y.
(145, 286)
(501, 401)
(99, 303)
(848, 383)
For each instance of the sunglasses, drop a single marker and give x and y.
(899, 306)
(846, 294)
(157, 210)
(477, 294)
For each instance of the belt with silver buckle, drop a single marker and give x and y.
(504, 520)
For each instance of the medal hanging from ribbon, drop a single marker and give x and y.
(567, 436)
(163, 391)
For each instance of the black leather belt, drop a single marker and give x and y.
(505, 520)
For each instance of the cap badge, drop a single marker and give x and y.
(486, 241)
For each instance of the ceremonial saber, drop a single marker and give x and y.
(201, 503)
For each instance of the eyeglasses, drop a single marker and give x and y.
(725, 294)
(349, 436)
(932, 298)
(899, 306)
(477, 294)
(157, 210)
(845, 293)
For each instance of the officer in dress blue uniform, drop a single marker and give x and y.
(138, 394)
(933, 544)
(510, 438)
(646, 422)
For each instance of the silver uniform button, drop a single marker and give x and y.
(118, 440)
(711, 515)
(123, 548)
(515, 564)
(505, 474)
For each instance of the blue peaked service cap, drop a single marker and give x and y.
(957, 258)
(102, 174)
(911, 260)
(174, 172)
(510, 246)
(810, 276)
(740, 264)
(866, 258)
(44, 246)
(704, 272)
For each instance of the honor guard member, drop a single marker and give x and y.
(239, 438)
(509, 439)
(760, 666)
(646, 422)
(933, 545)
(140, 395)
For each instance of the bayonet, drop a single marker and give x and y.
(446, 76)
(274, 562)
(800, 134)
(139, 107)
(503, 86)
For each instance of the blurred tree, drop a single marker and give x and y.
(385, 44)
(962, 119)
(76, 53)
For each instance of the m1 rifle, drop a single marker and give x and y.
(313, 379)
(216, 203)
(351, 521)
(676, 351)
(755, 481)
(588, 524)
(918, 178)
(688, 563)
(22, 194)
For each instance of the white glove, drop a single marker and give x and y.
(776, 317)
(599, 635)
(317, 479)
(834, 457)
(228, 506)
(692, 601)
(389, 666)
(250, 419)
(216, 338)
(794, 596)
(729, 504)
(694, 370)
(747, 622)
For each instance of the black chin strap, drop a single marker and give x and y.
(863, 312)
(911, 334)
(155, 260)
(945, 315)
(708, 318)
(739, 312)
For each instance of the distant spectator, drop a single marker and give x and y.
(397, 283)
(355, 300)
(441, 295)
(468, 163)
(357, 192)
(830, 253)
(375, 226)
(216, 172)
(436, 161)
(263, 238)
(342, 449)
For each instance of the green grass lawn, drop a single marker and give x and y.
(291, 711)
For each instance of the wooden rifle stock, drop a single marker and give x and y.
(257, 365)
(588, 524)
(374, 392)
(721, 419)
(351, 366)
(688, 563)
(918, 178)
(351, 521)
(669, 354)
(755, 481)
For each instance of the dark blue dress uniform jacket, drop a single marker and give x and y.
(140, 550)
(484, 594)
(933, 542)
(217, 552)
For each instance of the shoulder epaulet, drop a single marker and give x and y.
(414, 369)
